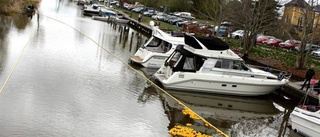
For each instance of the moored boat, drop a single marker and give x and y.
(156, 50)
(208, 65)
(305, 119)
(101, 18)
(121, 21)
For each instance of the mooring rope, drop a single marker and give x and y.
(15, 65)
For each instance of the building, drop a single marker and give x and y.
(294, 16)
(294, 13)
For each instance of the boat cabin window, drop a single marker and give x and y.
(179, 61)
(189, 64)
(225, 64)
(172, 60)
(162, 46)
(155, 42)
(231, 64)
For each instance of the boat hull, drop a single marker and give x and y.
(122, 21)
(306, 122)
(106, 18)
(229, 85)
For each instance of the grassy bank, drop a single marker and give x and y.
(16, 6)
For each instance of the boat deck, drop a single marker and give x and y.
(137, 58)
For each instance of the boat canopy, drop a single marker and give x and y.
(209, 42)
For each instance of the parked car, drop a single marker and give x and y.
(223, 31)
(138, 10)
(262, 38)
(316, 53)
(173, 19)
(158, 16)
(181, 23)
(273, 42)
(308, 46)
(237, 34)
(290, 44)
(149, 13)
(186, 15)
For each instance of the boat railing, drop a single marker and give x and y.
(280, 73)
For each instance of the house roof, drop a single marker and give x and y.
(297, 3)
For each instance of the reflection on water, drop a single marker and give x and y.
(17, 22)
(235, 116)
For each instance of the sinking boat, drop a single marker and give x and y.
(157, 49)
(208, 65)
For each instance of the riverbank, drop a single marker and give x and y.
(16, 6)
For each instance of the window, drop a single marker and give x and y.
(155, 42)
(188, 64)
(173, 59)
(218, 64)
(286, 19)
(300, 19)
(225, 64)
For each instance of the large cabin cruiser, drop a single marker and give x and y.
(157, 49)
(305, 119)
(208, 65)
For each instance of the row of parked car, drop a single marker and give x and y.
(290, 44)
(182, 18)
(172, 18)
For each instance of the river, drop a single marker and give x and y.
(64, 74)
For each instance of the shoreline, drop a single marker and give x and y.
(17, 6)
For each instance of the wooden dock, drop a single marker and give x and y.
(292, 90)
(136, 24)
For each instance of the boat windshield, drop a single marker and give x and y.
(231, 64)
(173, 59)
(158, 45)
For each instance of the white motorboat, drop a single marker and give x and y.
(208, 65)
(157, 49)
(306, 120)
(121, 21)
(101, 18)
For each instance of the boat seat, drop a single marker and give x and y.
(313, 108)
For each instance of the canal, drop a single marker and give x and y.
(64, 74)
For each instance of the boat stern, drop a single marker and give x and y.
(140, 57)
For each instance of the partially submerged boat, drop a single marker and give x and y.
(157, 49)
(208, 65)
(305, 119)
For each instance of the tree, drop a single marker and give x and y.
(307, 26)
(254, 16)
(216, 10)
